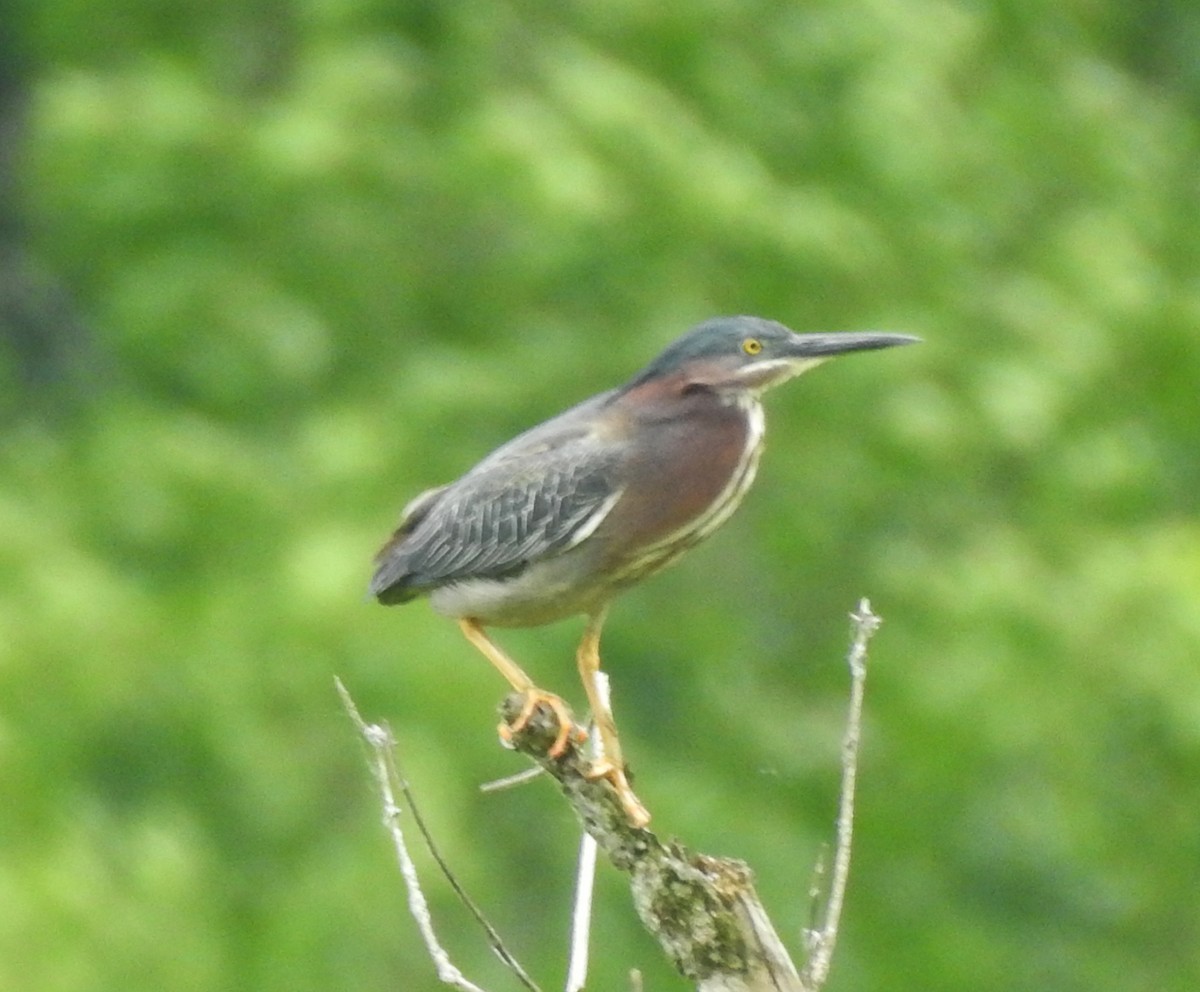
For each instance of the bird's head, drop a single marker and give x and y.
(750, 354)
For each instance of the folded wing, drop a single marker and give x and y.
(534, 498)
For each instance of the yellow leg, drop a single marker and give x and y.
(611, 765)
(475, 633)
(517, 678)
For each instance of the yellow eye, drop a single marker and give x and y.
(751, 346)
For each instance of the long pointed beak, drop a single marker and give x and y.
(803, 346)
(802, 352)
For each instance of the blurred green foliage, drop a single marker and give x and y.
(329, 253)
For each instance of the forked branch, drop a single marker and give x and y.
(703, 910)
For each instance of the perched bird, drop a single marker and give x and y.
(562, 518)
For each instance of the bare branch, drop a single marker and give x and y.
(581, 916)
(512, 781)
(389, 781)
(702, 910)
(494, 939)
(585, 875)
(822, 939)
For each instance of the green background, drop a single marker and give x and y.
(271, 268)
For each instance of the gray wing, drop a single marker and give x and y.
(537, 496)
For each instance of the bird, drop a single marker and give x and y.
(563, 518)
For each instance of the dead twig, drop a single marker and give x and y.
(585, 872)
(389, 781)
(703, 910)
(822, 938)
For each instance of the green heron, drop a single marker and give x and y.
(562, 518)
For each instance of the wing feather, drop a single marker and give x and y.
(514, 508)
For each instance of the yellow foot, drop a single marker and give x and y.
(566, 729)
(638, 815)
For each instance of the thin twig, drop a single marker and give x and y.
(581, 915)
(585, 874)
(822, 940)
(512, 781)
(494, 939)
(389, 780)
